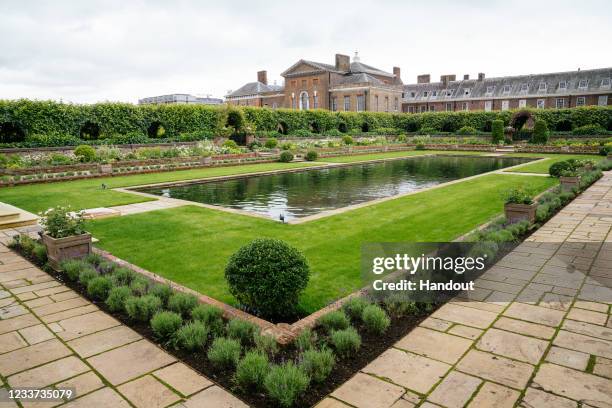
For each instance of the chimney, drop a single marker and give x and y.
(481, 76)
(262, 76)
(445, 79)
(397, 72)
(423, 79)
(466, 77)
(343, 63)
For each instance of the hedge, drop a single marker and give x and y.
(54, 123)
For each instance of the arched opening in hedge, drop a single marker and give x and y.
(11, 132)
(235, 120)
(342, 127)
(89, 131)
(564, 125)
(522, 119)
(365, 127)
(156, 130)
(281, 127)
(315, 127)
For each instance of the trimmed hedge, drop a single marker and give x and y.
(48, 123)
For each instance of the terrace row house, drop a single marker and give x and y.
(344, 86)
(539, 91)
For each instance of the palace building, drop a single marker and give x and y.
(343, 86)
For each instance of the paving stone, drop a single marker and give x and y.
(69, 313)
(522, 327)
(365, 391)
(82, 384)
(332, 403)
(588, 329)
(454, 390)
(576, 385)
(52, 291)
(409, 370)
(512, 345)
(131, 361)
(467, 316)
(11, 341)
(104, 398)
(494, 395)
(430, 343)
(38, 302)
(32, 356)
(587, 316)
(32, 288)
(105, 340)
(557, 302)
(436, 324)
(69, 294)
(214, 397)
(465, 331)
(16, 323)
(486, 306)
(50, 373)
(26, 296)
(603, 367)
(596, 307)
(534, 314)
(36, 334)
(495, 368)
(568, 358)
(59, 306)
(147, 392)
(13, 310)
(182, 378)
(539, 399)
(402, 403)
(85, 324)
(583, 343)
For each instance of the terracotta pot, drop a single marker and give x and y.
(520, 212)
(61, 249)
(569, 183)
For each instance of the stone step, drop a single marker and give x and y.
(11, 217)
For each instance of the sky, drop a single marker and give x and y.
(87, 51)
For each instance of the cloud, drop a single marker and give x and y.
(88, 51)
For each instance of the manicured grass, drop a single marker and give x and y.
(191, 245)
(543, 165)
(390, 155)
(81, 194)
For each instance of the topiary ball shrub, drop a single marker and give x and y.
(85, 153)
(497, 131)
(99, 287)
(117, 297)
(182, 303)
(271, 143)
(165, 324)
(540, 132)
(311, 156)
(347, 140)
(285, 157)
(268, 276)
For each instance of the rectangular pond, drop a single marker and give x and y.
(308, 192)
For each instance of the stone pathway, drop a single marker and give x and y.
(537, 333)
(50, 337)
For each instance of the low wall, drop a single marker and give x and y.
(529, 148)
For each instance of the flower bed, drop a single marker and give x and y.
(530, 148)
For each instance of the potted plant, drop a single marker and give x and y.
(519, 206)
(569, 179)
(64, 236)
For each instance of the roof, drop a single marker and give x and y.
(355, 67)
(361, 67)
(360, 78)
(531, 85)
(255, 88)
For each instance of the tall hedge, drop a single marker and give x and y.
(111, 119)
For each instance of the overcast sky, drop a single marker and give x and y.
(118, 50)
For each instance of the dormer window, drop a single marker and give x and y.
(434, 93)
(412, 94)
(563, 85)
(467, 91)
(542, 86)
(582, 84)
(605, 83)
(425, 94)
(449, 92)
(524, 87)
(506, 89)
(490, 90)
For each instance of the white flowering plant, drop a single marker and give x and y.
(61, 222)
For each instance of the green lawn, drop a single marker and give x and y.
(543, 165)
(389, 155)
(88, 193)
(191, 245)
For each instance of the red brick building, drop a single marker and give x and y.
(555, 90)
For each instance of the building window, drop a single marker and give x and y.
(376, 102)
(524, 87)
(315, 82)
(294, 83)
(412, 94)
(434, 93)
(360, 103)
(449, 107)
(395, 104)
(386, 104)
(563, 85)
(465, 106)
(560, 103)
(450, 92)
(583, 84)
(425, 94)
(304, 102)
(293, 102)
(303, 83)
(605, 83)
(488, 106)
(347, 103)
(541, 104)
(411, 109)
(423, 108)
(542, 86)
(490, 90)
(334, 104)
(505, 105)
(580, 101)
(274, 105)
(315, 101)
(602, 100)
(506, 89)
(522, 103)
(432, 108)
